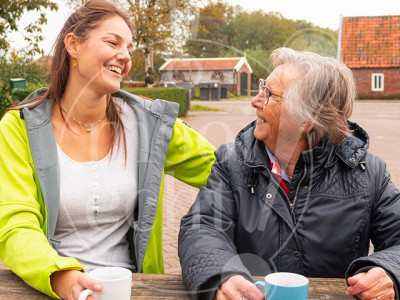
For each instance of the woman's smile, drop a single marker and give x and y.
(114, 69)
(261, 120)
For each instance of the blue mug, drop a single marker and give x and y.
(285, 286)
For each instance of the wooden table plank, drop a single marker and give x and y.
(155, 286)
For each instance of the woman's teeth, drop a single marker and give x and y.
(114, 69)
(260, 120)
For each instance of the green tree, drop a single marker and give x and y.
(11, 13)
(17, 65)
(313, 38)
(257, 34)
(258, 29)
(209, 38)
(269, 31)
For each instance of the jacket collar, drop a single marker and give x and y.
(350, 150)
(253, 150)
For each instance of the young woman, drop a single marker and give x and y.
(82, 163)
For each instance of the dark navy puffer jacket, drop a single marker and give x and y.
(242, 222)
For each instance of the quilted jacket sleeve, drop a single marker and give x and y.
(385, 224)
(206, 240)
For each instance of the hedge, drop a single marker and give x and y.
(17, 95)
(173, 94)
(4, 104)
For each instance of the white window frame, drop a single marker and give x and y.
(377, 82)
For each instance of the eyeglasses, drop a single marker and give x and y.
(262, 86)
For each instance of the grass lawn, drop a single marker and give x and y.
(198, 107)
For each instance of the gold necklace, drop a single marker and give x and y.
(88, 126)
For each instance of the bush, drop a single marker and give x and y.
(4, 104)
(17, 66)
(173, 94)
(17, 95)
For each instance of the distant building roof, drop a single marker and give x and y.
(372, 42)
(45, 59)
(223, 63)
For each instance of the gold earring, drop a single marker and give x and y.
(301, 129)
(74, 62)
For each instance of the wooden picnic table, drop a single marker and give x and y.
(165, 286)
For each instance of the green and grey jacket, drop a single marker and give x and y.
(29, 186)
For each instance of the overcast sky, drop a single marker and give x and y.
(325, 13)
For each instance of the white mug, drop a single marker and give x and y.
(116, 283)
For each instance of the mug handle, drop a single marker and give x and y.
(261, 283)
(84, 294)
(257, 283)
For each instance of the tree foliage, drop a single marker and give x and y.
(138, 70)
(17, 65)
(157, 22)
(12, 12)
(255, 35)
(257, 29)
(208, 32)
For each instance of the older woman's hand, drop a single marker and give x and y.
(374, 284)
(238, 288)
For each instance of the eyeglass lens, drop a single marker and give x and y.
(262, 86)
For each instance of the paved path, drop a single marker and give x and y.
(381, 120)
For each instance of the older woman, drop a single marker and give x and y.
(297, 192)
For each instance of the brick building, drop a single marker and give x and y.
(370, 47)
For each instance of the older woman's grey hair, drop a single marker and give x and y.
(322, 94)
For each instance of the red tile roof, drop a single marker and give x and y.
(371, 42)
(202, 64)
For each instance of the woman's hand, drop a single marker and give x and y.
(237, 287)
(68, 284)
(374, 284)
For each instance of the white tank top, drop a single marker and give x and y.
(97, 200)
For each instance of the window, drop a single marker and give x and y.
(217, 75)
(178, 76)
(377, 82)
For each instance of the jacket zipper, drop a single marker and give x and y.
(293, 203)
